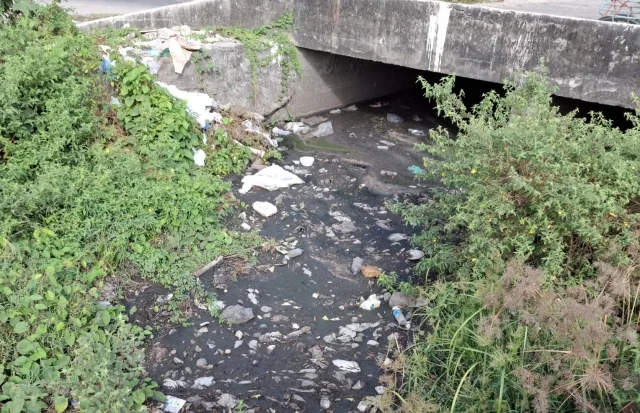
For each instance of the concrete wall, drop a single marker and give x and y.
(586, 59)
(331, 81)
(200, 13)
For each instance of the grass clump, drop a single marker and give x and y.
(534, 239)
(88, 192)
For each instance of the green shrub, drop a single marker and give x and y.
(534, 237)
(83, 197)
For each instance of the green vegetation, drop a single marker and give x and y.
(534, 238)
(87, 192)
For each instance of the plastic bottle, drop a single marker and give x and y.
(397, 314)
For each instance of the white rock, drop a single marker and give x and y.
(307, 161)
(246, 226)
(397, 237)
(372, 343)
(238, 343)
(202, 382)
(265, 209)
(415, 255)
(239, 334)
(346, 365)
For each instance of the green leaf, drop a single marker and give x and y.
(20, 327)
(138, 396)
(70, 338)
(60, 403)
(15, 405)
(105, 317)
(25, 346)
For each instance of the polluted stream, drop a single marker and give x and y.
(301, 341)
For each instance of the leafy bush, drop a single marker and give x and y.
(534, 236)
(81, 199)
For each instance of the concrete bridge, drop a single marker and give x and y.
(584, 59)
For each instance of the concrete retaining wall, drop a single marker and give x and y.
(585, 59)
(198, 14)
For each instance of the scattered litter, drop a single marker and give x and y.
(346, 365)
(415, 169)
(202, 382)
(198, 104)
(416, 118)
(237, 314)
(307, 161)
(271, 178)
(380, 389)
(387, 143)
(356, 265)
(209, 266)
(369, 271)
(393, 118)
(173, 404)
(335, 112)
(416, 132)
(250, 127)
(388, 173)
(114, 101)
(383, 147)
(323, 129)
(397, 314)
(397, 237)
(180, 53)
(297, 127)
(314, 120)
(295, 253)
(245, 226)
(198, 156)
(280, 132)
(378, 104)
(265, 209)
(252, 297)
(370, 303)
(414, 255)
(351, 108)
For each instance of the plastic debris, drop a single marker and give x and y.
(388, 173)
(346, 365)
(387, 143)
(199, 157)
(414, 255)
(416, 132)
(369, 271)
(383, 147)
(173, 404)
(323, 129)
(180, 53)
(199, 105)
(297, 127)
(335, 112)
(271, 178)
(378, 104)
(265, 209)
(295, 253)
(397, 314)
(370, 303)
(356, 265)
(280, 132)
(415, 169)
(351, 108)
(209, 266)
(250, 127)
(397, 237)
(393, 118)
(307, 161)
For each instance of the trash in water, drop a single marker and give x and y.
(416, 132)
(414, 255)
(295, 253)
(265, 209)
(335, 112)
(369, 271)
(356, 265)
(250, 127)
(173, 404)
(378, 104)
(297, 127)
(397, 314)
(323, 129)
(416, 118)
(393, 118)
(271, 178)
(307, 161)
(280, 132)
(346, 365)
(397, 237)
(415, 169)
(351, 108)
(370, 303)
(199, 157)
(388, 173)
(382, 147)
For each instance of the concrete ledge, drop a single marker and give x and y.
(198, 14)
(585, 59)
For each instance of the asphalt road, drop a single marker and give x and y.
(114, 6)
